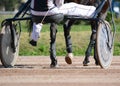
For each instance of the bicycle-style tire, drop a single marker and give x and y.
(8, 57)
(103, 43)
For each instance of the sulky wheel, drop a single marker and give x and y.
(104, 44)
(7, 54)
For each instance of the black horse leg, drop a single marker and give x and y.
(92, 44)
(95, 55)
(67, 28)
(94, 29)
(53, 32)
(94, 26)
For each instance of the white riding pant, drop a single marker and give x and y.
(69, 9)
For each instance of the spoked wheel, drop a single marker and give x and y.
(7, 54)
(104, 44)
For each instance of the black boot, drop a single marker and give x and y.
(33, 43)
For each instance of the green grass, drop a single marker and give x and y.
(79, 38)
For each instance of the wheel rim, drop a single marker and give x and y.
(8, 58)
(104, 49)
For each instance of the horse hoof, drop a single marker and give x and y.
(54, 64)
(85, 63)
(96, 63)
(68, 58)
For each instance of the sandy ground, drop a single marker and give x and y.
(35, 71)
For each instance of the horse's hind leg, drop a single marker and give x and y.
(91, 45)
(53, 32)
(67, 28)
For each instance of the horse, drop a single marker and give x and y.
(67, 27)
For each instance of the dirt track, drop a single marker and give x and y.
(35, 71)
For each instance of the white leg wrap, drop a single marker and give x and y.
(36, 31)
